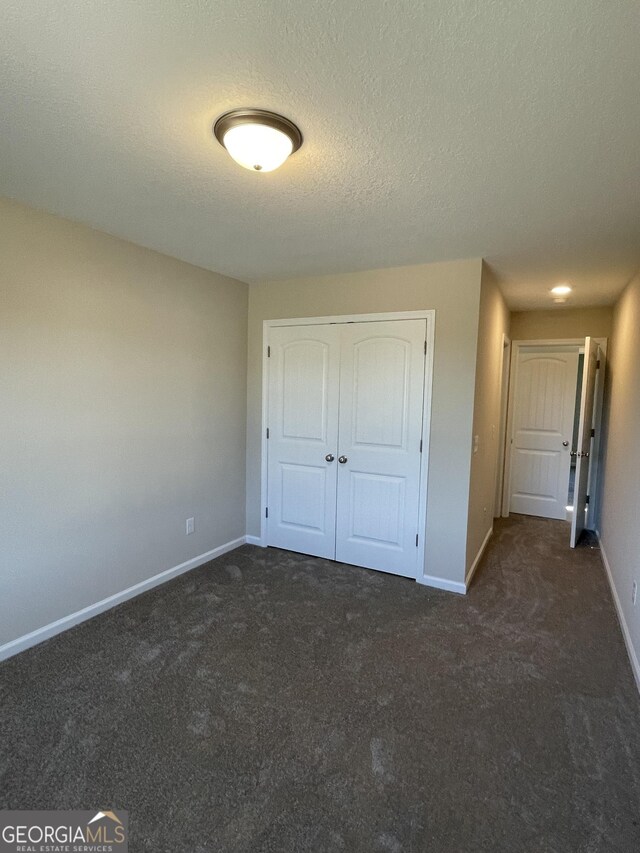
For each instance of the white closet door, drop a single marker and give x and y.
(303, 432)
(381, 391)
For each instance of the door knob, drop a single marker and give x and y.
(565, 444)
(342, 459)
(329, 457)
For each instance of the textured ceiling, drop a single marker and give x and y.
(508, 129)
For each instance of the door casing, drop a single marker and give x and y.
(505, 373)
(429, 316)
(585, 438)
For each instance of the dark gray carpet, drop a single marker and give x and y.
(273, 702)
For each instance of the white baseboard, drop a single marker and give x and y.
(633, 658)
(41, 634)
(456, 586)
(254, 540)
(476, 562)
(442, 583)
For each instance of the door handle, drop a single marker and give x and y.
(329, 457)
(574, 452)
(342, 459)
(565, 444)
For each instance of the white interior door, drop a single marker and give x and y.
(545, 392)
(381, 397)
(303, 437)
(584, 445)
(350, 392)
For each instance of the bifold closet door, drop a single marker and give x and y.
(380, 426)
(303, 436)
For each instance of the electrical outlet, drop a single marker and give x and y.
(634, 593)
(190, 526)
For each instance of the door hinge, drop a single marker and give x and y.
(598, 364)
(420, 445)
(593, 433)
(266, 512)
(587, 500)
(267, 432)
(416, 540)
(268, 352)
(425, 347)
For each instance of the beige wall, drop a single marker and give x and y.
(453, 290)
(619, 527)
(123, 376)
(562, 323)
(493, 324)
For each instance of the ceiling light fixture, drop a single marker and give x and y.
(257, 139)
(560, 292)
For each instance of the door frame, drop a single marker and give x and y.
(430, 316)
(505, 376)
(516, 346)
(594, 460)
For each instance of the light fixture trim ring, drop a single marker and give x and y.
(233, 118)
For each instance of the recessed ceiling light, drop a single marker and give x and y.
(561, 290)
(257, 139)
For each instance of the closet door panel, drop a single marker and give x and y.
(380, 426)
(303, 429)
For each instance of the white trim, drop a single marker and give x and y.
(47, 631)
(476, 562)
(442, 583)
(427, 396)
(254, 540)
(505, 375)
(596, 449)
(351, 318)
(633, 658)
(264, 423)
(550, 342)
(428, 314)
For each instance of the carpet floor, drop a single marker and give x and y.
(269, 701)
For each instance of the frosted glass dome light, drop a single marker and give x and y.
(257, 147)
(257, 139)
(561, 289)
